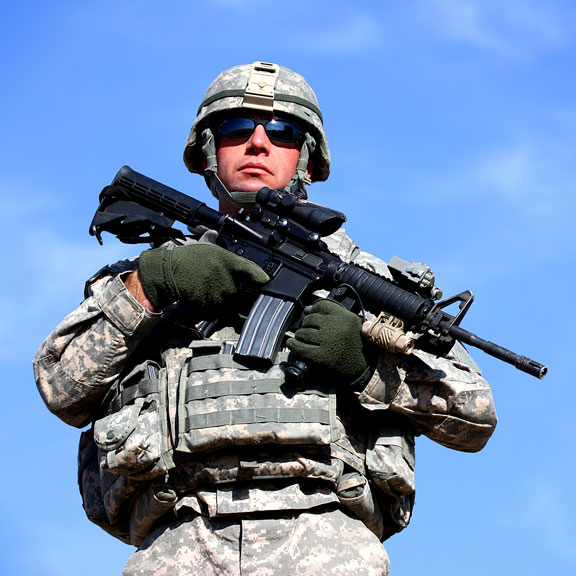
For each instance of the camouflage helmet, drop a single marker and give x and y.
(261, 87)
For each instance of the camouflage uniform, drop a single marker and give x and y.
(211, 465)
(305, 543)
(228, 507)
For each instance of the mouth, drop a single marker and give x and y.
(254, 169)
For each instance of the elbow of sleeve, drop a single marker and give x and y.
(60, 393)
(479, 433)
(480, 438)
(479, 419)
(473, 439)
(465, 435)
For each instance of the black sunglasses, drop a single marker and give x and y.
(276, 130)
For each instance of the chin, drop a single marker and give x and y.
(250, 186)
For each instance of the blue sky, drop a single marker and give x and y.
(452, 126)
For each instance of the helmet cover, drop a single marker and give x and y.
(261, 87)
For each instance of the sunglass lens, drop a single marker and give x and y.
(283, 131)
(237, 127)
(277, 130)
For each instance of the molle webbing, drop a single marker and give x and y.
(259, 416)
(229, 388)
(135, 388)
(226, 403)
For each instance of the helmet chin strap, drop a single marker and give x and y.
(300, 180)
(296, 186)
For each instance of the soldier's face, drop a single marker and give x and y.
(248, 164)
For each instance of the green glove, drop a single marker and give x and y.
(204, 275)
(330, 338)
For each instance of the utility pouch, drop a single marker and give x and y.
(90, 485)
(130, 438)
(354, 493)
(150, 505)
(390, 461)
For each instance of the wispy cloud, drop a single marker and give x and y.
(355, 33)
(534, 178)
(531, 174)
(464, 21)
(318, 30)
(46, 279)
(517, 28)
(508, 171)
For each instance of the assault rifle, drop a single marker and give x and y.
(283, 235)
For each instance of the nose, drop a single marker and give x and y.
(259, 140)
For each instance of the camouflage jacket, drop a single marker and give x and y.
(100, 344)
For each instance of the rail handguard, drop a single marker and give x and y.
(283, 235)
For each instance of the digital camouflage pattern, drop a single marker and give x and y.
(307, 544)
(232, 510)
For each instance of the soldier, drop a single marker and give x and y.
(210, 464)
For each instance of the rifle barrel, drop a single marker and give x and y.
(521, 362)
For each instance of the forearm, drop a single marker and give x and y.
(77, 363)
(133, 283)
(444, 398)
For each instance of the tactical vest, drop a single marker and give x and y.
(167, 421)
(201, 402)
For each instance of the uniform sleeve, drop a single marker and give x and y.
(76, 364)
(445, 398)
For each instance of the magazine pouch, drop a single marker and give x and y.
(130, 438)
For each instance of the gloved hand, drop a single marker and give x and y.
(330, 337)
(204, 275)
